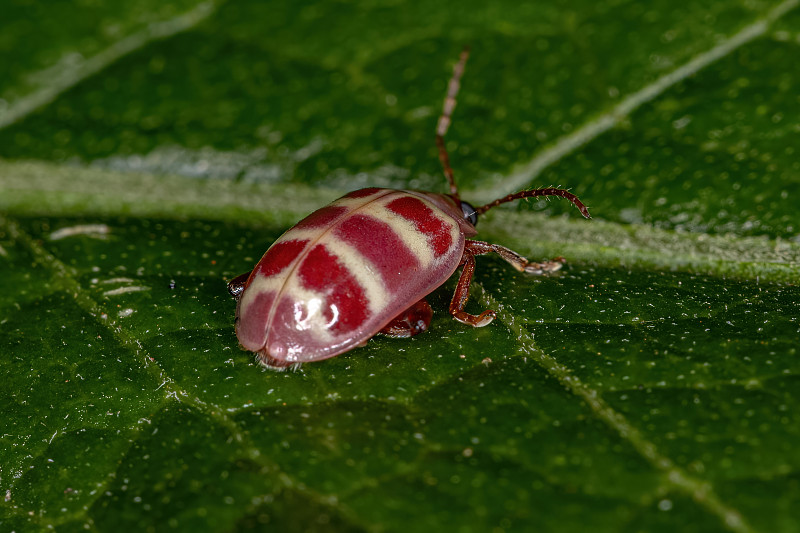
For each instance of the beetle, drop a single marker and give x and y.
(363, 265)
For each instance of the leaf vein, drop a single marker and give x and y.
(66, 80)
(699, 490)
(172, 390)
(525, 173)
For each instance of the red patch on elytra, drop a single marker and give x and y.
(322, 272)
(322, 217)
(381, 245)
(435, 229)
(279, 256)
(250, 326)
(361, 193)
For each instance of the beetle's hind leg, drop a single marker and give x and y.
(410, 322)
(236, 285)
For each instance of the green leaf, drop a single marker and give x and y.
(152, 151)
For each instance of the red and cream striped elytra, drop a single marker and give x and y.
(364, 264)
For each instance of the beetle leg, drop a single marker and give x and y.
(473, 248)
(514, 259)
(236, 285)
(462, 294)
(410, 322)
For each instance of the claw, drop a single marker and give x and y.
(544, 268)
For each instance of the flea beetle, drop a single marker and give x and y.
(364, 264)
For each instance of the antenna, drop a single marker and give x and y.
(444, 120)
(533, 193)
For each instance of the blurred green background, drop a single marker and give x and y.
(150, 151)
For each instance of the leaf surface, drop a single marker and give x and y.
(151, 152)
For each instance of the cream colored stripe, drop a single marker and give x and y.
(405, 229)
(260, 285)
(301, 234)
(357, 202)
(362, 270)
(308, 311)
(307, 304)
(415, 239)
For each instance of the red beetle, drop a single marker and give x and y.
(364, 264)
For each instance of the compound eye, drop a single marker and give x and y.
(469, 213)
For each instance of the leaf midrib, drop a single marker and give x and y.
(46, 189)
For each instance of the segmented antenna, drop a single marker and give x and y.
(533, 193)
(444, 119)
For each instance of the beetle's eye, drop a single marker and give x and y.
(469, 213)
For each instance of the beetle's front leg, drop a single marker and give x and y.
(462, 294)
(473, 248)
(514, 259)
